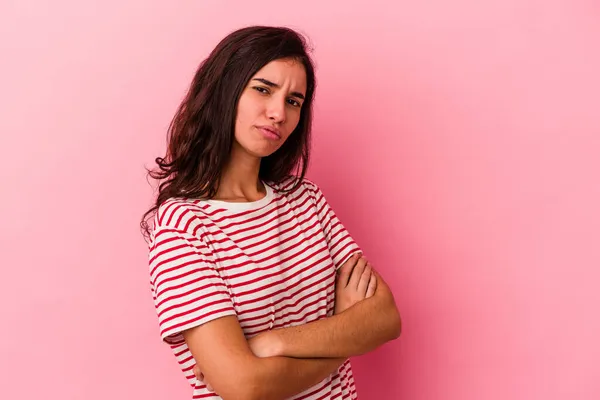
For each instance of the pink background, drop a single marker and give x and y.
(459, 141)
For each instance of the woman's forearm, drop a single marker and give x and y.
(283, 377)
(358, 330)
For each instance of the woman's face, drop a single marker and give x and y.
(269, 107)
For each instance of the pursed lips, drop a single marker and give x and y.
(275, 131)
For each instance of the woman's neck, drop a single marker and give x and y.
(239, 180)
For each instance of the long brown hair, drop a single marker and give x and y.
(201, 134)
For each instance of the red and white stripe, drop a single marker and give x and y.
(271, 263)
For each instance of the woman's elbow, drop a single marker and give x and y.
(241, 384)
(239, 391)
(241, 394)
(395, 323)
(398, 330)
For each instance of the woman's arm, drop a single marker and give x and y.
(361, 328)
(354, 283)
(227, 363)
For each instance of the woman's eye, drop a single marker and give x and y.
(294, 102)
(261, 89)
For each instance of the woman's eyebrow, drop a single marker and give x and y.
(271, 84)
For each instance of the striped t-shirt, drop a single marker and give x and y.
(270, 262)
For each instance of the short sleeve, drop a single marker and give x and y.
(186, 286)
(341, 244)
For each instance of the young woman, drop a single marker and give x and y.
(260, 291)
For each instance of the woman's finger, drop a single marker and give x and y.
(372, 286)
(357, 273)
(345, 270)
(363, 283)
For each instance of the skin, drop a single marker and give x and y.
(262, 104)
(281, 363)
(355, 281)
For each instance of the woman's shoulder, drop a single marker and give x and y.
(177, 213)
(294, 183)
(297, 189)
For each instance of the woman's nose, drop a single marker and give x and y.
(276, 111)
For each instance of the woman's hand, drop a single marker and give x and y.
(200, 377)
(355, 282)
(265, 344)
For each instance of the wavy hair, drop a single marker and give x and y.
(201, 134)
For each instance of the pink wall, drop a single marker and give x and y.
(459, 141)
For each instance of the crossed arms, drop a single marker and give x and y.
(280, 363)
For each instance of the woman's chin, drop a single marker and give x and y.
(264, 154)
(263, 151)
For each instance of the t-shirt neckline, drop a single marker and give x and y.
(246, 205)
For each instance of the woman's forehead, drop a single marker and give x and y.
(285, 72)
